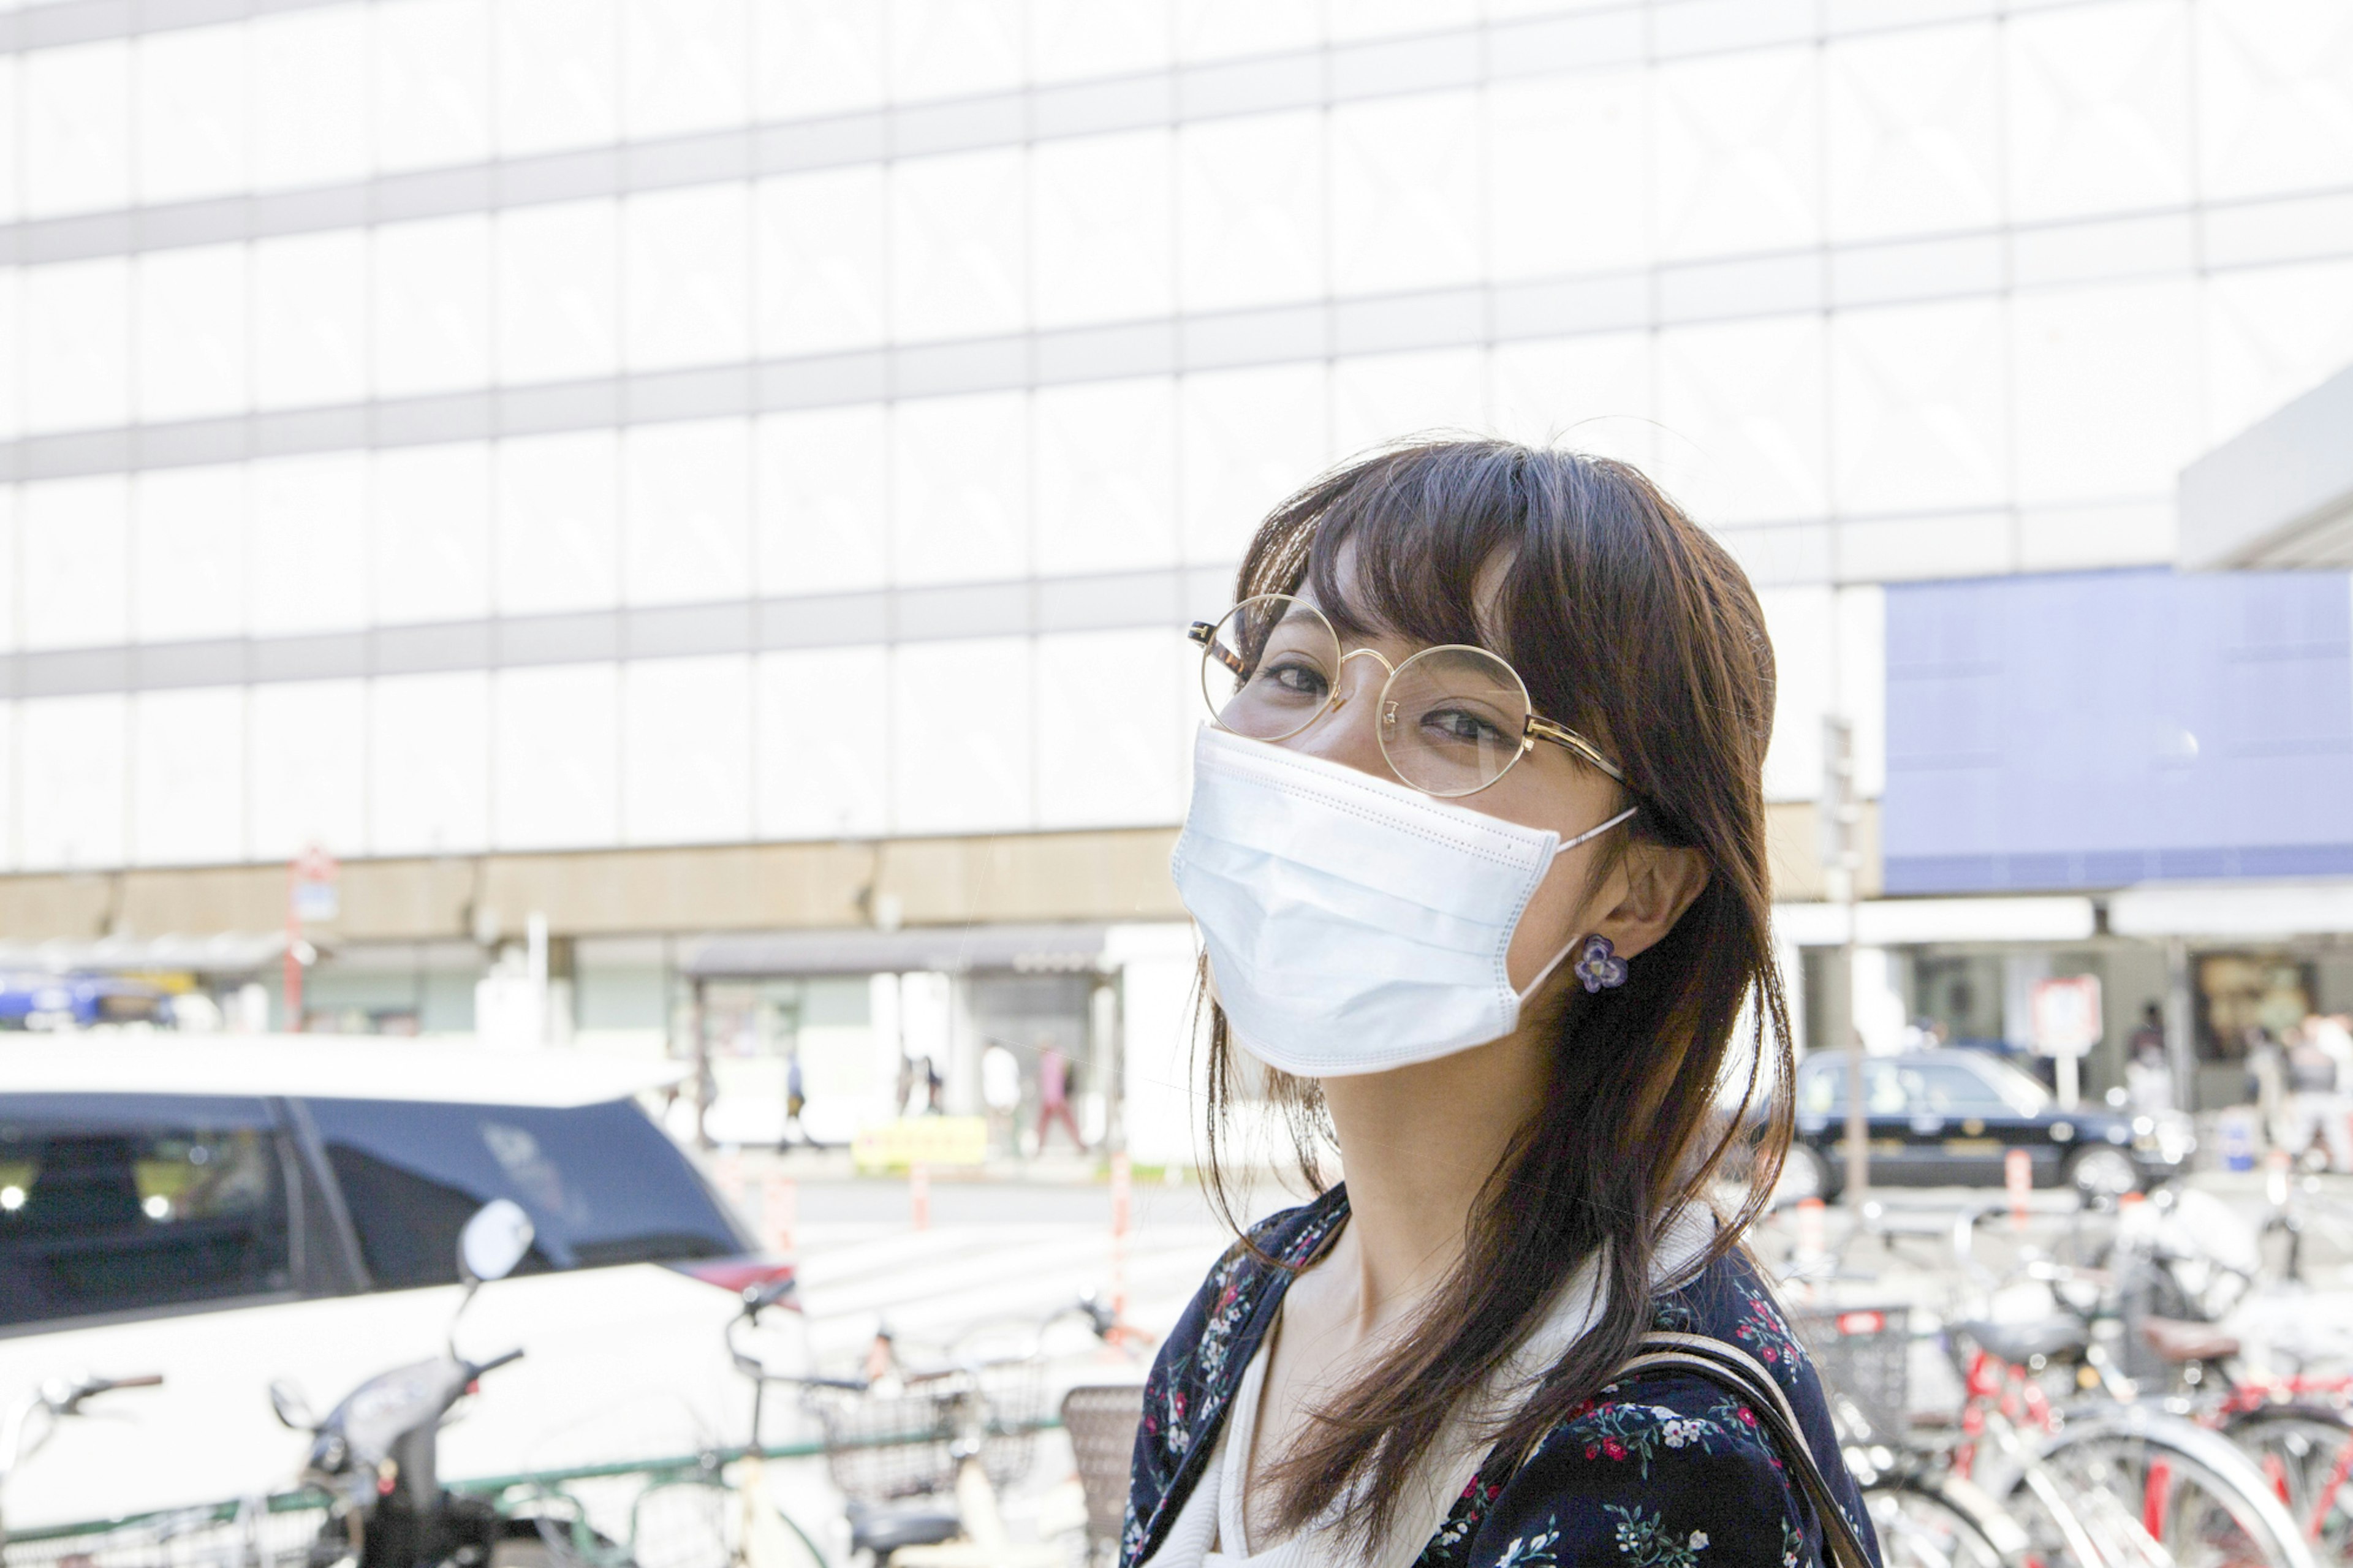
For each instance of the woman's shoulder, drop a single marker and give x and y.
(1668, 1466)
(1201, 1362)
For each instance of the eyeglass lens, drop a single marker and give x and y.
(1451, 718)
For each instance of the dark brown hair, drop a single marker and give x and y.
(1631, 626)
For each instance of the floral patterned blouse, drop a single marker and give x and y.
(1663, 1470)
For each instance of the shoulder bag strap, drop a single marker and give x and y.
(1728, 1366)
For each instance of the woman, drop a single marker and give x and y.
(1477, 853)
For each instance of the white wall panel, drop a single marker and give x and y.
(1590, 394)
(1251, 210)
(557, 526)
(686, 747)
(1101, 208)
(12, 188)
(822, 515)
(1405, 208)
(12, 354)
(817, 56)
(431, 62)
(686, 523)
(187, 777)
(1919, 407)
(558, 74)
(960, 491)
(76, 109)
(428, 763)
(2107, 390)
(1105, 468)
(1738, 164)
(555, 757)
(686, 275)
(685, 66)
(558, 300)
(1108, 718)
(430, 533)
(2271, 335)
(958, 228)
(310, 97)
(1071, 39)
(1912, 129)
(1211, 29)
(307, 769)
(1829, 649)
(187, 554)
(1381, 397)
(73, 753)
(822, 263)
(309, 319)
(432, 299)
(961, 754)
(942, 49)
(75, 535)
(1568, 173)
(1247, 438)
(2274, 96)
(195, 107)
(78, 344)
(2099, 118)
(306, 556)
(824, 729)
(1742, 410)
(10, 579)
(192, 333)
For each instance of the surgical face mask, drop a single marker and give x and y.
(1354, 924)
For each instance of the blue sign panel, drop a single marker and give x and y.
(2094, 730)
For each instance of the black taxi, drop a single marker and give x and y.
(1950, 1117)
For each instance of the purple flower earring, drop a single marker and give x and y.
(1598, 965)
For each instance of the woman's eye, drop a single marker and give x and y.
(1295, 677)
(1460, 726)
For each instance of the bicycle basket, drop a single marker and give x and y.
(229, 1536)
(1864, 1354)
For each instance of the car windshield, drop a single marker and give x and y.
(601, 1183)
(2021, 1092)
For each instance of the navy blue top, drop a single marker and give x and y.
(1665, 1470)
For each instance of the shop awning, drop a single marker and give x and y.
(1911, 923)
(2233, 910)
(950, 949)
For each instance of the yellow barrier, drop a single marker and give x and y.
(921, 1141)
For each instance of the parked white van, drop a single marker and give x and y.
(230, 1212)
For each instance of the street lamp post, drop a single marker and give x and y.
(1841, 860)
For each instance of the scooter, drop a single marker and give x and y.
(375, 1454)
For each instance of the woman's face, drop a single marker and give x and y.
(1546, 788)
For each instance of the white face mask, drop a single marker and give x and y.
(1354, 924)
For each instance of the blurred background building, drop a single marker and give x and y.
(693, 502)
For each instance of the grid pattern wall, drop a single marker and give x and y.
(949, 349)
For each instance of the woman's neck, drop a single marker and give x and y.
(1418, 1145)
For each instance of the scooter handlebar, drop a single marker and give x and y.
(495, 1362)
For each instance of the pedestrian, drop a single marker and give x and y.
(795, 1101)
(935, 1088)
(2149, 1077)
(1000, 1092)
(1054, 1095)
(2316, 1107)
(2267, 1084)
(1476, 846)
(905, 1102)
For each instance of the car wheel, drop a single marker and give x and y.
(2103, 1172)
(1805, 1175)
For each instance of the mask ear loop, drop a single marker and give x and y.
(1566, 844)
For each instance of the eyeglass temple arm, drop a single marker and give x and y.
(1204, 632)
(1561, 735)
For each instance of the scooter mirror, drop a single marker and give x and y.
(494, 1240)
(292, 1409)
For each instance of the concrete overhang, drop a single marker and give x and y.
(2278, 494)
(2242, 911)
(1911, 922)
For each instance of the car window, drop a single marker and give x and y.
(1823, 1092)
(116, 1203)
(601, 1183)
(2022, 1094)
(1949, 1088)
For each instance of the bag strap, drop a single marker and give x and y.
(1728, 1366)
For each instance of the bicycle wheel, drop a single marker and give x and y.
(2306, 1453)
(2133, 1476)
(1927, 1521)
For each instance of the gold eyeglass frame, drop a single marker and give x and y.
(1537, 727)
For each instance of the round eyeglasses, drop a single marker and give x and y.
(1452, 719)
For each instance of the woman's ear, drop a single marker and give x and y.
(1660, 884)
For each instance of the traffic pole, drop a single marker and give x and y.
(2018, 1175)
(1123, 1206)
(779, 1210)
(919, 1195)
